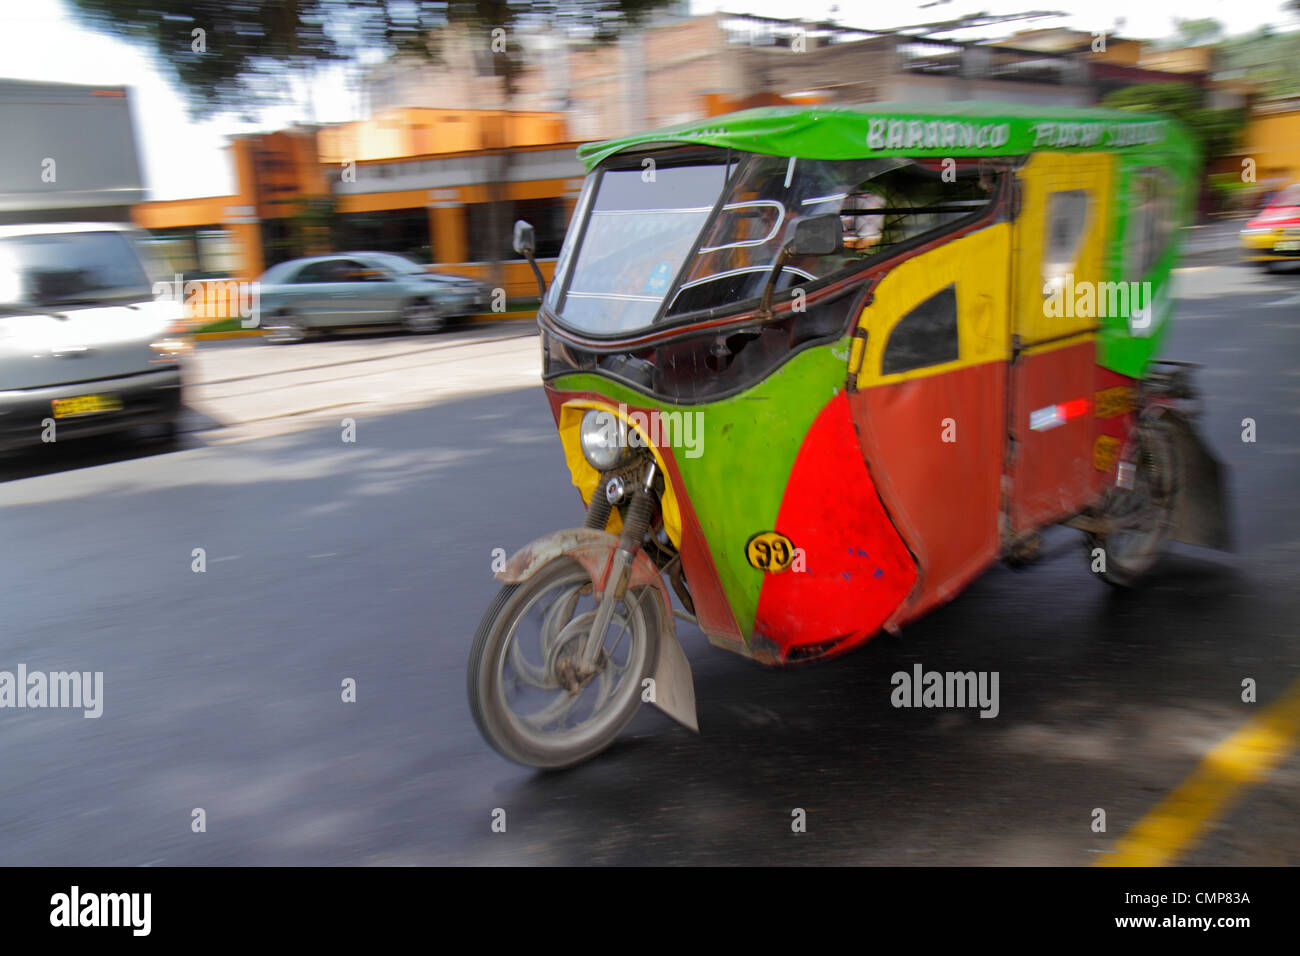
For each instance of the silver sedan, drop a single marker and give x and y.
(359, 289)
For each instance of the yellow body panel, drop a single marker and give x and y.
(977, 264)
(585, 478)
(1044, 174)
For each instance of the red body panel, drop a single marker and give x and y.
(857, 567)
(945, 497)
(1051, 472)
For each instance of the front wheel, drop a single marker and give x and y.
(421, 317)
(527, 696)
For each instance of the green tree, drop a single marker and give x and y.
(235, 55)
(1194, 32)
(1216, 131)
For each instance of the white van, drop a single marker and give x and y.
(85, 347)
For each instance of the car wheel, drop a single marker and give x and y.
(284, 329)
(422, 316)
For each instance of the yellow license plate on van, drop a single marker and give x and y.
(85, 405)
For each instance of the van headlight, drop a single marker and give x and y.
(603, 438)
(172, 346)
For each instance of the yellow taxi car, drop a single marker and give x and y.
(1273, 236)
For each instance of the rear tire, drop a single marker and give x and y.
(284, 329)
(1143, 513)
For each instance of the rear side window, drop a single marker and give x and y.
(1152, 220)
(925, 336)
(1067, 221)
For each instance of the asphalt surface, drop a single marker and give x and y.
(328, 560)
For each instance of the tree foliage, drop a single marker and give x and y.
(1216, 131)
(1266, 57)
(249, 47)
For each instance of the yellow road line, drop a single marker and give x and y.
(1246, 757)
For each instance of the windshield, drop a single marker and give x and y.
(70, 269)
(642, 224)
(663, 240)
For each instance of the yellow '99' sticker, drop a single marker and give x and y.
(770, 551)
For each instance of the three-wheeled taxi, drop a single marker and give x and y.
(815, 370)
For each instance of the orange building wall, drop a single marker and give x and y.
(422, 132)
(1273, 141)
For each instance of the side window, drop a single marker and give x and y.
(349, 270)
(1151, 222)
(1067, 221)
(925, 336)
(316, 272)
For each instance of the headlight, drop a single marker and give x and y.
(174, 345)
(603, 437)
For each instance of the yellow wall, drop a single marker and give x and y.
(1273, 141)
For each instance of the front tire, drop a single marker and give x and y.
(421, 317)
(526, 703)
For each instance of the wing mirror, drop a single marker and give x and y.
(525, 243)
(817, 236)
(814, 236)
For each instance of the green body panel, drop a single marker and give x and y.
(736, 484)
(1118, 349)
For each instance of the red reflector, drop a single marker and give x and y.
(1073, 409)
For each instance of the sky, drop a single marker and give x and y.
(39, 40)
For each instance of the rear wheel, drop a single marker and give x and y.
(527, 697)
(284, 328)
(1140, 514)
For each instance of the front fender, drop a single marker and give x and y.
(674, 687)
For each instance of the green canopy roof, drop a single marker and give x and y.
(968, 128)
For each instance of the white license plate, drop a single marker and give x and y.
(1287, 245)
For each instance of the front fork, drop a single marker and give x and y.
(636, 523)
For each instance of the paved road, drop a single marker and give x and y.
(329, 560)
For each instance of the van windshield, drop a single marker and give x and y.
(74, 268)
(665, 239)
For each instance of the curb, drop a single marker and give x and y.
(256, 333)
